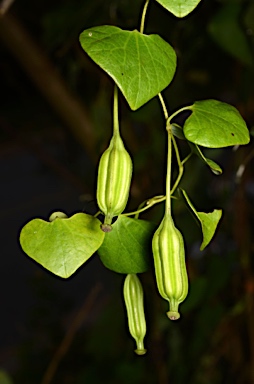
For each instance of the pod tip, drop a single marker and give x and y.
(106, 228)
(140, 352)
(173, 315)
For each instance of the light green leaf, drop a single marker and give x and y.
(141, 65)
(225, 28)
(215, 168)
(214, 124)
(179, 8)
(63, 245)
(209, 221)
(127, 248)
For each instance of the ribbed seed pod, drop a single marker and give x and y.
(169, 262)
(114, 179)
(133, 297)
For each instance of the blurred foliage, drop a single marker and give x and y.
(214, 340)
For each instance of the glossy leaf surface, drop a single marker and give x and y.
(179, 8)
(214, 124)
(63, 245)
(141, 65)
(127, 248)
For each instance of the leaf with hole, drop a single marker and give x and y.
(179, 8)
(63, 245)
(215, 124)
(141, 65)
(209, 221)
(127, 248)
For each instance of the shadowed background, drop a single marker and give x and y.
(55, 121)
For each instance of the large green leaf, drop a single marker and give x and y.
(63, 245)
(214, 124)
(179, 8)
(141, 65)
(127, 248)
(209, 221)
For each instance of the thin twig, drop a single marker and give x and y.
(4, 6)
(70, 334)
(48, 80)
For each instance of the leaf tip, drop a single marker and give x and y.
(57, 215)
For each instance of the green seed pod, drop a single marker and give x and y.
(169, 262)
(114, 179)
(133, 297)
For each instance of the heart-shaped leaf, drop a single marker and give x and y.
(63, 245)
(209, 221)
(179, 8)
(214, 124)
(141, 65)
(127, 248)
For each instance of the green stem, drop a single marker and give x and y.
(187, 158)
(189, 108)
(163, 106)
(180, 166)
(142, 24)
(149, 203)
(140, 207)
(168, 177)
(115, 112)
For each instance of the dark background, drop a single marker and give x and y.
(55, 121)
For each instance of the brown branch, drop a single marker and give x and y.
(69, 336)
(5, 5)
(45, 157)
(49, 82)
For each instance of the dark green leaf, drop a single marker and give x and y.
(177, 131)
(127, 248)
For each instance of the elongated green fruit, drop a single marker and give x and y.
(169, 262)
(114, 179)
(133, 297)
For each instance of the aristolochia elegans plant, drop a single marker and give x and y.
(142, 66)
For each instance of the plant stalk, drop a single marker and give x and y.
(168, 177)
(142, 24)
(115, 113)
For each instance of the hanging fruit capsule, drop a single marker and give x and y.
(133, 297)
(114, 179)
(169, 262)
